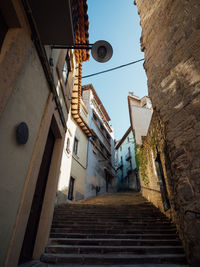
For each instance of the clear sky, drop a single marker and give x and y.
(117, 22)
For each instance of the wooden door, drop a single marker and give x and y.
(34, 216)
(71, 188)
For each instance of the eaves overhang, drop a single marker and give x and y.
(76, 105)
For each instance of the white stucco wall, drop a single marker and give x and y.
(79, 164)
(95, 173)
(66, 162)
(141, 118)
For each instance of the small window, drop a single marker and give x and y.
(120, 148)
(68, 145)
(108, 136)
(121, 159)
(75, 149)
(94, 117)
(101, 147)
(128, 139)
(66, 68)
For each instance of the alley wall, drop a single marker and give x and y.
(171, 41)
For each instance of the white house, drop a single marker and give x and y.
(100, 172)
(140, 111)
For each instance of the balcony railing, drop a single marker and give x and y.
(128, 156)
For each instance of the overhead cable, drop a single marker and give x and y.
(121, 66)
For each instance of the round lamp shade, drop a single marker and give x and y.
(102, 51)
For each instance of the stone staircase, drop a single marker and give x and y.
(113, 234)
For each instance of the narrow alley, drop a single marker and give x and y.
(99, 133)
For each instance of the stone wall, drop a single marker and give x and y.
(171, 41)
(154, 144)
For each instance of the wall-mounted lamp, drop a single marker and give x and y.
(101, 50)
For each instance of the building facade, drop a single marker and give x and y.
(35, 92)
(140, 112)
(100, 172)
(126, 168)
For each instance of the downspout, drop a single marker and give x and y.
(43, 59)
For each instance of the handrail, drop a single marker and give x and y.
(197, 214)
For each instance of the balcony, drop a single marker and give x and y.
(54, 21)
(128, 156)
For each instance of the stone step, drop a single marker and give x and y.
(111, 210)
(122, 219)
(125, 211)
(113, 230)
(114, 227)
(114, 213)
(115, 242)
(69, 249)
(115, 236)
(109, 218)
(115, 223)
(104, 207)
(92, 259)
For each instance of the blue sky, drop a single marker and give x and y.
(117, 22)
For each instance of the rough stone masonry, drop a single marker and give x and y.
(171, 43)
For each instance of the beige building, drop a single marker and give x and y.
(35, 98)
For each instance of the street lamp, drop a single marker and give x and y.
(101, 50)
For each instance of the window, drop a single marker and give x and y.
(101, 147)
(75, 149)
(120, 148)
(121, 159)
(68, 145)
(101, 127)
(66, 68)
(94, 117)
(108, 136)
(128, 139)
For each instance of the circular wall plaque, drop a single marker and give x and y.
(22, 133)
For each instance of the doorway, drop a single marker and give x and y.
(71, 188)
(37, 202)
(161, 181)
